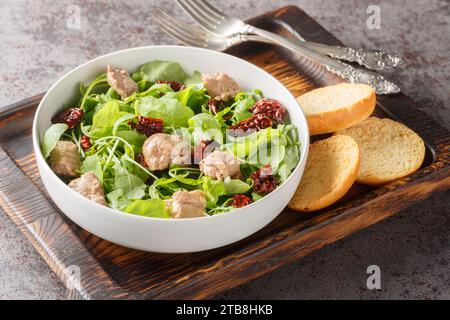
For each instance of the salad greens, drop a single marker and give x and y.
(52, 136)
(115, 142)
(155, 208)
(162, 70)
(167, 108)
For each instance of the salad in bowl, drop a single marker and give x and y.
(159, 142)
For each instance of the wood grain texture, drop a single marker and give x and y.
(112, 271)
(45, 227)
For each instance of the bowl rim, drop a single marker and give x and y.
(303, 148)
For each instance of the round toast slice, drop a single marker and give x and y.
(337, 107)
(331, 170)
(389, 150)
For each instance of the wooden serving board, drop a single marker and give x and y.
(110, 271)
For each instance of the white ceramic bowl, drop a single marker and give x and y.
(168, 235)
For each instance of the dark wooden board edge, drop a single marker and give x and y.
(288, 246)
(17, 107)
(52, 237)
(293, 244)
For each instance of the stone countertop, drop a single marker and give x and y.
(411, 248)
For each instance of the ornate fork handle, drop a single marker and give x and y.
(371, 59)
(355, 75)
(346, 71)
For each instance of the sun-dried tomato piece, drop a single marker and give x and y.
(72, 117)
(176, 86)
(258, 122)
(264, 181)
(85, 142)
(271, 108)
(240, 200)
(141, 160)
(147, 125)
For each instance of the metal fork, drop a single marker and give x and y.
(370, 58)
(197, 37)
(214, 21)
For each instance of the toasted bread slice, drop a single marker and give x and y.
(337, 107)
(389, 150)
(331, 170)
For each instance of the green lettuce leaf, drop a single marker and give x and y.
(162, 70)
(133, 168)
(116, 199)
(155, 208)
(250, 144)
(273, 155)
(194, 80)
(92, 163)
(51, 137)
(205, 127)
(104, 120)
(131, 185)
(236, 186)
(256, 196)
(157, 90)
(289, 163)
(170, 110)
(267, 146)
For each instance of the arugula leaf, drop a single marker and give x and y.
(108, 177)
(132, 186)
(170, 110)
(87, 91)
(162, 70)
(193, 98)
(205, 127)
(213, 190)
(243, 102)
(104, 120)
(90, 107)
(134, 168)
(51, 137)
(122, 122)
(220, 116)
(92, 163)
(155, 208)
(134, 138)
(187, 176)
(241, 108)
(163, 188)
(157, 90)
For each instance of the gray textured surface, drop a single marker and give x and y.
(412, 248)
